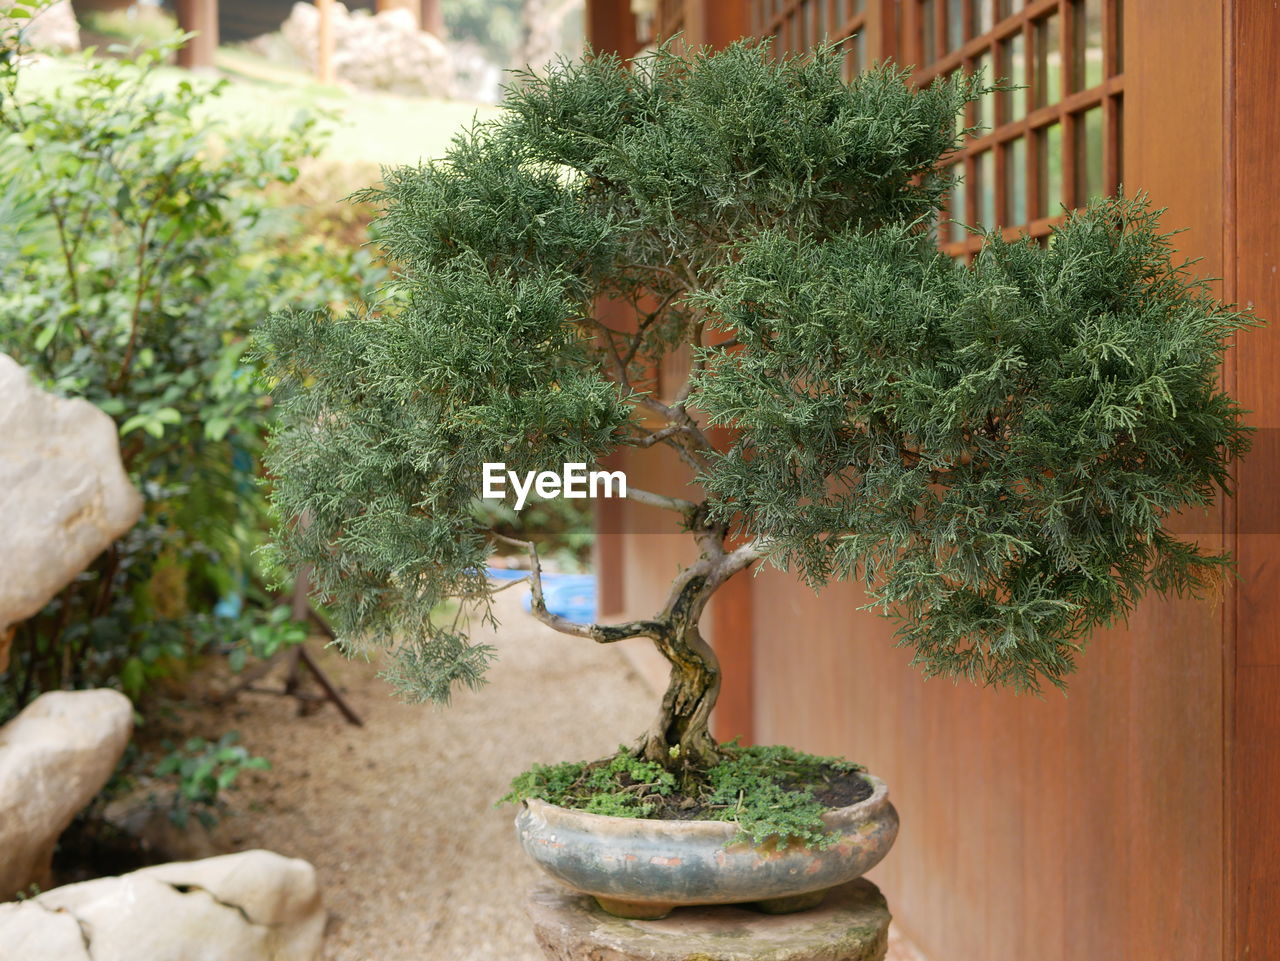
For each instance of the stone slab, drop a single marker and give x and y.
(852, 924)
(64, 493)
(54, 757)
(250, 906)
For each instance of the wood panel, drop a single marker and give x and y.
(731, 633)
(1032, 828)
(1254, 702)
(717, 24)
(1089, 826)
(1173, 62)
(611, 27)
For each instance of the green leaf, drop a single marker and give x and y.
(134, 422)
(133, 676)
(46, 335)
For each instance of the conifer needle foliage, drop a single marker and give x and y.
(992, 448)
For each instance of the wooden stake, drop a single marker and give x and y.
(411, 5)
(201, 18)
(431, 16)
(324, 46)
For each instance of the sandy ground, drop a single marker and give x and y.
(398, 817)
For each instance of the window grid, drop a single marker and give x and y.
(1054, 118)
(797, 25)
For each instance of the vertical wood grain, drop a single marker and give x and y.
(1254, 721)
(611, 27)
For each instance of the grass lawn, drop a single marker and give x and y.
(366, 127)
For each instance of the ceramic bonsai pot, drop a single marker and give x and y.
(641, 868)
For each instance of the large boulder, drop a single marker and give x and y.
(52, 30)
(251, 906)
(385, 51)
(64, 494)
(54, 757)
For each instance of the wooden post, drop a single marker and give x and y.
(611, 27)
(431, 16)
(324, 42)
(201, 18)
(413, 6)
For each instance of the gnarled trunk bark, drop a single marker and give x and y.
(681, 738)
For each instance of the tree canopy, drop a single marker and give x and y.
(992, 447)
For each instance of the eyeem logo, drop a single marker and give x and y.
(573, 481)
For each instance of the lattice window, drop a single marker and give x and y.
(1047, 147)
(800, 24)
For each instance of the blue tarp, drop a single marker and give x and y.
(570, 595)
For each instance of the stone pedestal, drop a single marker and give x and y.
(852, 924)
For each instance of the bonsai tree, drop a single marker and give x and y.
(992, 447)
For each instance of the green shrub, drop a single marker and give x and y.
(204, 771)
(144, 245)
(992, 449)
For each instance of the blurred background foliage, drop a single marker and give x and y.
(149, 220)
(143, 244)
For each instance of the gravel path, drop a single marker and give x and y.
(415, 862)
(398, 817)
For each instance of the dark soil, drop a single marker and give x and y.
(842, 789)
(834, 788)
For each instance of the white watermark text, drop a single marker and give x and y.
(573, 481)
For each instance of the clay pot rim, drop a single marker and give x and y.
(722, 831)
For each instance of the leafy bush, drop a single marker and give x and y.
(145, 245)
(565, 527)
(263, 634)
(147, 24)
(992, 448)
(204, 771)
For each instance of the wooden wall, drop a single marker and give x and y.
(1133, 819)
(1252, 277)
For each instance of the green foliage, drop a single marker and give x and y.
(142, 245)
(564, 528)
(149, 25)
(203, 771)
(993, 447)
(622, 786)
(263, 634)
(768, 791)
(493, 25)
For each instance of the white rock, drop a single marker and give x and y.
(252, 906)
(52, 30)
(64, 494)
(386, 51)
(33, 932)
(54, 757)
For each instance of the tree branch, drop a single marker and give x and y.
(677, 504)
(600, 633)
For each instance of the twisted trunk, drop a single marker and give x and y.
(681, 738)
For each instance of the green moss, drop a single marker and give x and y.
(771, 792)
(621, 786)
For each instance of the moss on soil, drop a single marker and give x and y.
(771, 792)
